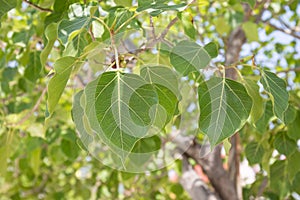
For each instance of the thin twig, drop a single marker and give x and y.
(37, 6)
(286, 31)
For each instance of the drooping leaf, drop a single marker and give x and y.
(290, 115)
(283, 144)
(276, 87)
(224, 108)
(188, 26)
(6, 5)
(51, 34)
(126, 3)
(258, 104)
(66, 27)
(118, 107)
(263, 122)
(156, 7)
(164, 81)
(33, 70)
(279, 177)
(254, 152)
(77, 44)
(188, 56)
(63, 68)
(251, 31)
(294, 127)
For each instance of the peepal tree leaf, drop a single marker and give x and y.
(258, 103)
(283, 144)
(63, 68)
(188, 56)
(276, 87)
(254, 152)
(122, 123)
(263, 122)
(164, 81)
(66, 27)
(224, 108)
(7, 5)
(51, 35)
(157, 6)
(33, 70)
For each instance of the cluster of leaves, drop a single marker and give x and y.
(257, 104)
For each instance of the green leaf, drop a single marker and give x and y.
(77, 44)
(188, 26)
(250, 2)
(254, 152)
(279, 178)
(283, 144)
(276, 87)
(33, 70)
(258, 103)
(63, 68)
(66, 27)
(125, 3)
(263, 122)
(290, 115)
(293, 166)
(165, 83)
(188, 56)
(222, 25)
(156, 7)
(251, 31)
(224, 108)
(294, 127)
(119, 108)
(51, 35)
(7, 5)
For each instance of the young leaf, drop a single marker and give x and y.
(63, 68)
(276, 87)
(283, 144)
(254, 152)
(224, 108)
(51, 34)
(66, 27)
(33, 70)
(164, 81)
(263, 122)
(6, 5)
(188, 56)
(258, 104)
(251, 31)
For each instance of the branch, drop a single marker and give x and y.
(212, 165)
(192, 183)
(287, 31)
(37, 6)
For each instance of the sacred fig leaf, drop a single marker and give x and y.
(122, 103)
(283, 144)
(63, 68)
(51, 35)
(276, 87)
(6, 5)
(224, 108)
(165, 83)
(254, 152)
(188, 56)
(257, 109)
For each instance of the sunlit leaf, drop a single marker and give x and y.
(188, 56)
(63, 68)
(276, 87)
(224, 108)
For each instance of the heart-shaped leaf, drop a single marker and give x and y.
(224, 108)
(276, 87)
(188, 56)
